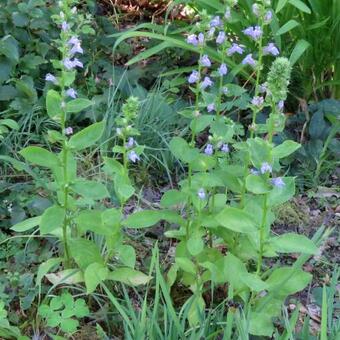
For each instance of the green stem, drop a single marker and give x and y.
(262, 234)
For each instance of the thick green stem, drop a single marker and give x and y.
(262, 234)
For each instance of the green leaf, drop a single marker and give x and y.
(69, 325)
(261, 324)
(186, 265)
(196, 310)
(9, 48)
(285, 149)
(90, 189)
(281, 4)
(87, 137)
(113, 166)
(173, 197)
(94, 274)
(257, 184)
(300, 48)
(92, 221)
(253, 282)
(288, 26)
(7, 92)
(285, 281)
(147, 218)
(84, 252)
(129, 276)
(236, 220)
(281, 195)
(201, 122)
(182, 151)
(20, 19)
(293, 243)
(12, 124)
(27, 224)
(53, 105)
(40, 156)
(77, 105)
(51, 219)
(45, 267)
(301, 6)
(127, 255)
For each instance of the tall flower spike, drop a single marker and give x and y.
(278, 79)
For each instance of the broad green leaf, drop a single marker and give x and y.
(300, 48)
(127, 255)
(281, 195)
(281, 4)
(301, 6)
(67, 276)
(285, 149)
(182, 151)
(129, 276)
(288, 26)
(261, 324)
(87, 137)
(200, 123)
(90, 189)
(195, 244)
(113, 166)
(253, 282)
(186, 265)
(196, 310)
(293, 243)
(236, 220)
(84, 252)
(91, 220)
(285, 281)
(53, 105)
(51, 219)
(12, 124)
(148, 218)
(94, 274)
(45, 267)
(172, 197)
(69, 325)
(9, 48)
(27, 224)
(77, 105)
(257, 184)
(40, 156)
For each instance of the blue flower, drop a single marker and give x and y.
(211, 32)
(220, 38)
(65, 26)
(211, 107)
(271, 49)
(201, 194)
(227, 14)
(133, 157)
(200, 38)
(131, 142)
(209, 150)
(248, 60)
(257, 101)
(51, 78)
(225, 148)
(215, 22)
(207, 82)
(278, 182)
(235, 48)
(68, 131)
(72, 93)
(253, 32)
(266, 167)
(192, 40)
(205, 61)
(256, 9)
(281, 105)
(194, 77)
(254, 172)
(268, 17)
(223, 70)
(71, 64)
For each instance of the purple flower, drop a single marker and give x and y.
(227, 14)
(254, 172)
(268, 17)
(225, 90)
(209, 150)
(281, 105)
(235, 48)
(256, 9)
(194, 77)
(271, 49)
(211, 107)
(253, 32)
(266, 167)
(76, 49)
(205, 61)
(68, 131)
(77, 63)
(207, 82)
(65, 26)
(72, 93)
(215, 22)
(73, 41)
(257, 101)
(133, 157)
(130, 143)
(50, 77)
(201, 194)
(278, 182)
(223, 70)
(225, 148)
(192, 40)
(68, 63)
(211, 32)
(200, 38)
(220, 38)
(262, 88)
(248, 60)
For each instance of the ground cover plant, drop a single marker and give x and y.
(171, 214)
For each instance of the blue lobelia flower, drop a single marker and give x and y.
(209, 150)
(194, 77)
(223, 70)
(235, 48)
